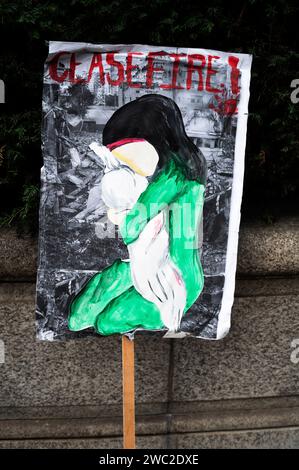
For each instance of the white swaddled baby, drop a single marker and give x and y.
(121, 186)
(154, 274)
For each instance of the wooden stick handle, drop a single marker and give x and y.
(128, 365)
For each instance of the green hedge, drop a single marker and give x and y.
(266, 29)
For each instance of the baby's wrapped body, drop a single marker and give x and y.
(154, 274)
(163, 276)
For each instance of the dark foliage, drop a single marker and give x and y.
(266, 29)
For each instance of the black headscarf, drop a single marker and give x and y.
(158, 120)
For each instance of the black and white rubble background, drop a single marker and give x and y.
(76, 238)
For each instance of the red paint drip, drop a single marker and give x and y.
(235, 74)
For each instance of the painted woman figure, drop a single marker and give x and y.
(153, 187)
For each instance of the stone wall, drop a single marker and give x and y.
(242, 391)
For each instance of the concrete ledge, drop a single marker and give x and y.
(247, 423)
(263, 250)
(225, 415)
(280, 438)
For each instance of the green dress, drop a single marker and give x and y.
(109, 301)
